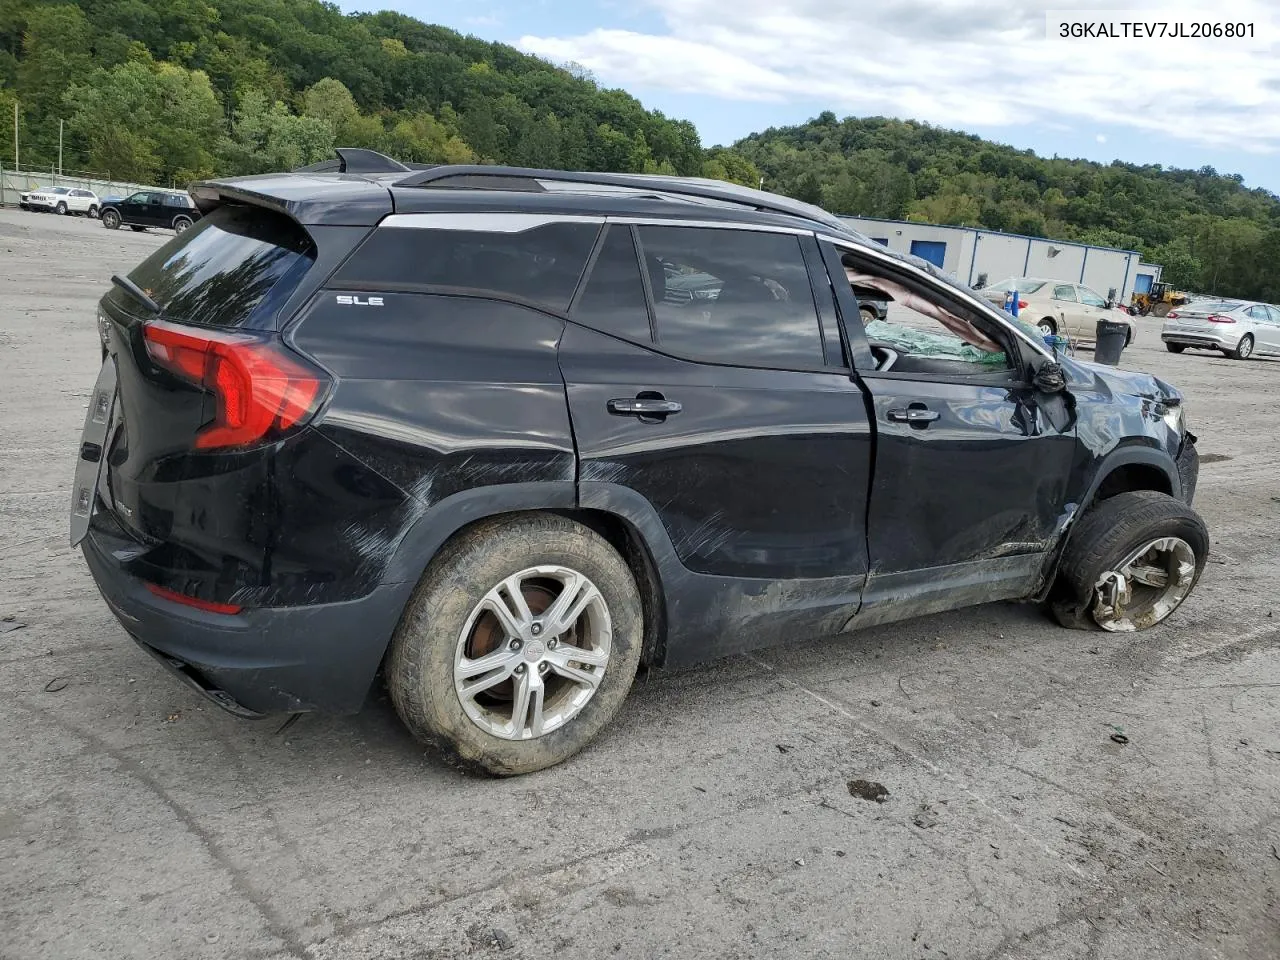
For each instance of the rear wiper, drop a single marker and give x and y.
(135, 291)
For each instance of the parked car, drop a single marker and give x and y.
(150, 208)
(1057, 306)
(458, 434)
(61, 200)
(1237, 328)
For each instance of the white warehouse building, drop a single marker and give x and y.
(966, 253)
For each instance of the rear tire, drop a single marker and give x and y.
(440, 638)
(93, 213)
(111, 219)
(1244, 349)
(1161, 310)
(1142, 534)
(1048, 327)
(868, 315)
(180, 224)
(1175, 347)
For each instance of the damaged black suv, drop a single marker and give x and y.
(507, 435)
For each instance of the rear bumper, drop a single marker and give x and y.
(1207, 338)
(266, 660)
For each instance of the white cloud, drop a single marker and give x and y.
(1101, 138)
(954, 62)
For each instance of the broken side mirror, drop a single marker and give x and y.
(1111, 298)
(981, 281)
(1050, 378)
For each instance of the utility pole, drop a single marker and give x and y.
(60, 122)
(16, 165)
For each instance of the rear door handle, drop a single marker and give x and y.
(644, 407)
(915, 415)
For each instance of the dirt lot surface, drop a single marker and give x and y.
(714, 819)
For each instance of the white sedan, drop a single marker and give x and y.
(64, 200)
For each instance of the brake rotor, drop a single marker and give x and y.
(487, 635)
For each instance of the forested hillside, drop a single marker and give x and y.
(173, 90)
(177, 89)
(1210, 232)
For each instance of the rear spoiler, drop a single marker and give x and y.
(310, 200)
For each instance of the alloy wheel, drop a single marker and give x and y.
(532, 652)
(1148, 586)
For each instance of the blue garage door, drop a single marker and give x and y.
(883, 241)
(935, 251)
(1142, 283)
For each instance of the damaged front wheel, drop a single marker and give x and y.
(1132, 560)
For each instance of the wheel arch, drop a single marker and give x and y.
(456, 514)
(1124, 470)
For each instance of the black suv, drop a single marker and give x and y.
(475, 427)
(150, 208)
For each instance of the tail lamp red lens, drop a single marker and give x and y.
(1022, 304)
(229, 609)
(259, 389)
(1172, 314)
(1219, 319)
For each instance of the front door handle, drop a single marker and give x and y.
(644, 407)
(916, 415)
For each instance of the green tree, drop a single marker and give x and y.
(330, 101)
(147, 121)
(267, 136)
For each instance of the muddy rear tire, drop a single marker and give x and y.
(484, 669)
(1157, 543)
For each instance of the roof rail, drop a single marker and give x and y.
(360, 160)
(478, 177)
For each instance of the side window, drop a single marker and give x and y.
(1065, 291)
(541, 264)
(613, 299)
(732, 296)
(1091, 299)
(922, 330)
(1257, 312)
(1275, 313)
(140, 198)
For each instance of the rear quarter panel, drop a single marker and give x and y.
(440, 395)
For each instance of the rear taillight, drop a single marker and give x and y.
(1217, 319)
(1172, 314)
(260, 390)
(1022, 304)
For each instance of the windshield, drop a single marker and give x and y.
(227, 267)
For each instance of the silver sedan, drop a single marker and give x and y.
(1237, 328)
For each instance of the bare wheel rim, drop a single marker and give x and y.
(1046, 328)
(532, 652)
(1149, 585)
(1245, 348)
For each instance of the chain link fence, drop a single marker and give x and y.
(13, 183)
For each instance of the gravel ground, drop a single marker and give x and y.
(714, 819)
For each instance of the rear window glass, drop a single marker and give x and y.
(227, 267)
(1211, 306)
(1021, 284)
(542, 264)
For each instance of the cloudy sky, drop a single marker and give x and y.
(983, 66)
